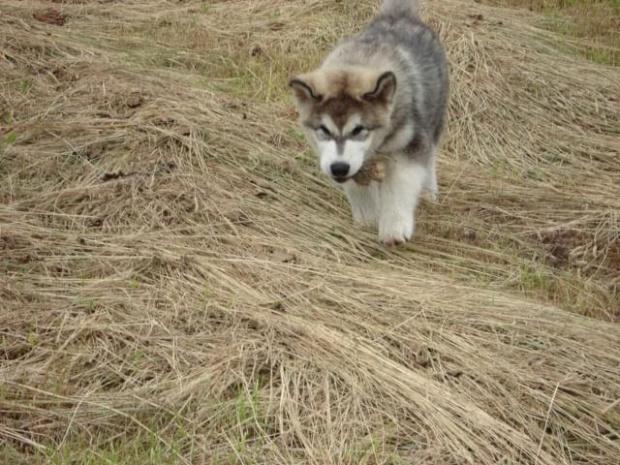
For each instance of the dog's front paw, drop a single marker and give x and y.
(432, 196)
(395, 231)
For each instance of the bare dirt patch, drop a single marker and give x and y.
(50, 16)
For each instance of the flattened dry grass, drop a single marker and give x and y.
(181, 285)
(595, 23)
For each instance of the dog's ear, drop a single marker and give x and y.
(384, 89)
(303, 90)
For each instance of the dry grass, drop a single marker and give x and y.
(181, 285)
(595, 23)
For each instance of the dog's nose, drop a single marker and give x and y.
(340, 169)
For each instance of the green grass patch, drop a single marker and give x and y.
(594, 24)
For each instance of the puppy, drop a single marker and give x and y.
(384, 91)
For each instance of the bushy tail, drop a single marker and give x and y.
(400, 8)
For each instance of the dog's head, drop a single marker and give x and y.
(345, 114)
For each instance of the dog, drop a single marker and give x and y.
(381, 92)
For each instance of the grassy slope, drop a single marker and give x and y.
(182, 286)
(595, 23)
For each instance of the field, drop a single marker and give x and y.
(179, 284)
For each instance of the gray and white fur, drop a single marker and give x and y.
(384, 91)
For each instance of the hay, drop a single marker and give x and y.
(181, 285)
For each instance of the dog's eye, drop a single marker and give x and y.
(324, 130)
(357, 130)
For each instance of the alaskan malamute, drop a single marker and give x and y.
(382, 92)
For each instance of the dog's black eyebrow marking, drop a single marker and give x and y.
(305, 86)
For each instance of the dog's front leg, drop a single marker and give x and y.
(364, 201)
(399, 195)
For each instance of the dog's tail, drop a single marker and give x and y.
(400, 8)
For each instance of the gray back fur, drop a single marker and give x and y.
(398, 41)
(400, 7)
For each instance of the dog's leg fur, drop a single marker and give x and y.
(431, 178)
(364, 201)
(399, 196)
